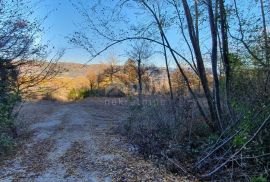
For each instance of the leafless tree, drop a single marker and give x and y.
(23, 60)
(112, 69)
(141, 51)
(225, 52)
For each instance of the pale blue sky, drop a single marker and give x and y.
(64, 20)
(60, 24)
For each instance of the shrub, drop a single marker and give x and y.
(78, 94)
(259, 179)
(82, 93)
(7, 126)
(149, 132)
(155, 130)
(6, 143)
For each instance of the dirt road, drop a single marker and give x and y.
(77, 142)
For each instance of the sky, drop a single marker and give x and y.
(59, 25)
(62, 21)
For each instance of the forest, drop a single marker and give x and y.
(181, 92)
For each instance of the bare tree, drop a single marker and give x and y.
(213, 27)
(266, 46)
(23, 62)
(225, 52)
(166, 57)
(112, 69)
(167, 68)
(92, 78)
(265, 36)
(140, 53)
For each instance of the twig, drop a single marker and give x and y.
(174, 163)
(237, 152)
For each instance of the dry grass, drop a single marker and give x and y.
(59, 87)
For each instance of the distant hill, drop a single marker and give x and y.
(76, 69)
(73, 70)
(65, 69)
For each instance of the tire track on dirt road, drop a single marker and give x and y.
(76, 142)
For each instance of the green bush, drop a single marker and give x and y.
(78, 94)
(259, 179)
(6, 143)
(82, 93)
(7, 126)
(240, 140)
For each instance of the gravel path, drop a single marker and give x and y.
(77, 142)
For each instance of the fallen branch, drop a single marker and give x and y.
(174, 163)
(237, 152)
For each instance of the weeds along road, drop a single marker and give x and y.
(77, 141)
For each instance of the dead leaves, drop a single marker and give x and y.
(73, 158)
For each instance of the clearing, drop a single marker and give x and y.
(77, 141)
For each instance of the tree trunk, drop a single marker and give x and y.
(197, 19)
(91, 87)
(167, 68)
(201, 70)
(266, 48)
(213, 27)
(200, 64)
(225, 53)
(210, 124)
(169, 77)
(140, 82)
(111, 77)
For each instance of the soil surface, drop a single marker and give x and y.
(77, 141)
